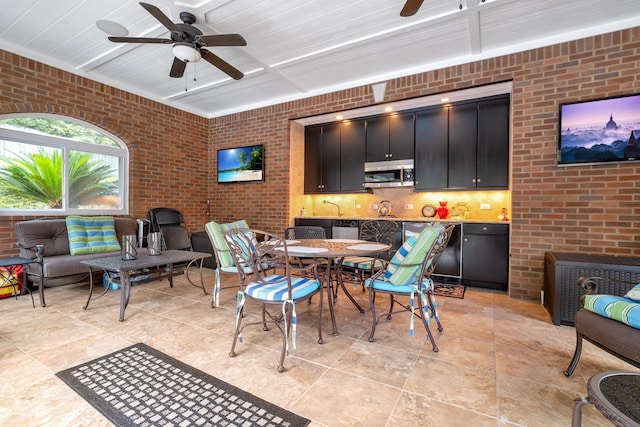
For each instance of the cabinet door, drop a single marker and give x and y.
(312, 159)
(485, 255)
(377, 139)
(463, 131)
(493, 143)
(431, 149)
(401, 136)
(330, 163)
(352, 153)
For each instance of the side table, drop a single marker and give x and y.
(615, 395)
(10, 265)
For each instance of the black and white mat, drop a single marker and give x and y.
(141, 386)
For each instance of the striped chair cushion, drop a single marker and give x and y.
(361, 262)
(91, 234)
(622, 309)
(216, 234)
(413, 251)
(276, 290)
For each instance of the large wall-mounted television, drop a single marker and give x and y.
(241, 164)
(599, 130)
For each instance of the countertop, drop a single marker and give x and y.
(405, 219)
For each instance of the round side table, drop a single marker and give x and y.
(615, 394)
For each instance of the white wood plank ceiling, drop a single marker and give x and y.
(295, 48)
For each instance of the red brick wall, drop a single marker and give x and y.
(166, 145)
(588, 208)
(591, 209)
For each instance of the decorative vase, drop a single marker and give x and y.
(443, 211)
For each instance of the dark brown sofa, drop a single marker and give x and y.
(47, 241)
(617, 338)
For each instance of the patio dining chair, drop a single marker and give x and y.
(357, 269)
(272, 285)
(408, 275)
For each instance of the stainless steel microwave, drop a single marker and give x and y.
(390, 173)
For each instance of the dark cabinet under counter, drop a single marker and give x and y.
(485, 249)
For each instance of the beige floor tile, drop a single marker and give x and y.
(500, 361)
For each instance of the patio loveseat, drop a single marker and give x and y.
(47, 242)
(608, 321)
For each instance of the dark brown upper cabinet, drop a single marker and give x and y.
(322, 159)
(352, 155)
(390, 137)
(432, 149)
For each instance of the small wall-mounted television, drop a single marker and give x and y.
(241, 164)
(600, 130)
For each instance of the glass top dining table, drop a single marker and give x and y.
(334, 250)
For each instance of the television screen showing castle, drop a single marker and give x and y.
(600, 131)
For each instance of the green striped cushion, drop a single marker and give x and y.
(634, 293)
(216, 234)
(405, 274)
(91, 234)
(622, 309)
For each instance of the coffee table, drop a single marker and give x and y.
(615, 394)
(125, 268)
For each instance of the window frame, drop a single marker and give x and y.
(121, 152)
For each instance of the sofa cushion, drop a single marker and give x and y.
(91, 234)
(622, 309)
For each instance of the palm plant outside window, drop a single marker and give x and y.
(58, 165)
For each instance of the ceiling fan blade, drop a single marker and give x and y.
(164, 19)
(177, 68)
(411, 7)
(139, 40)
(222, 40)
(223, 65)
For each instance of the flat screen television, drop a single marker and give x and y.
(241, 164)
(600, 130)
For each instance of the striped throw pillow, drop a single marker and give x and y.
(418, 249)
(634, 293)
(91, 234)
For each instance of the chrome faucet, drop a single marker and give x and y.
(334, 204)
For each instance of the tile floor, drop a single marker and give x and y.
(500, 361)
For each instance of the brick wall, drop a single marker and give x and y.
(166, 145)
(587, 209)
(591, 209)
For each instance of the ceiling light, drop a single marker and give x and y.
(445, 99)
(388, 109)
(339, 117)
(186, 52)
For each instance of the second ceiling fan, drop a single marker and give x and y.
(189, 43)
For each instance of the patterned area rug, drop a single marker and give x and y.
(141, 386)
(449, 290)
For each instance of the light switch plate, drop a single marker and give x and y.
(485, 206)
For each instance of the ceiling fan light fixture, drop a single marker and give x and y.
(186, 52)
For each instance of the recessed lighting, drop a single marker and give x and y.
(445, 99)
(339, 117)
(388, 109)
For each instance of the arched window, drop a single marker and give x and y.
(55, 165)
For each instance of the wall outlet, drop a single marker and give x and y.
(374, 207)
(485, 206)
(408, 206)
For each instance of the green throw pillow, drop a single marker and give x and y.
(216, 234)
(92, 234)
